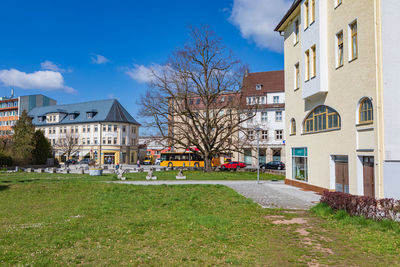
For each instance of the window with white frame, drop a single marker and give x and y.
(264, 135)
(297, 76)
(314, 61)
(264, 116)
(296, 31)
(339, 49)
(276, 99)
(278, 116)
(278, 134)
(258, 86)
(306, 15)
(353, 41)
(307, 61)
(250, 135)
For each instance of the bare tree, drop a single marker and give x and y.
(195, 101)
(67, 145)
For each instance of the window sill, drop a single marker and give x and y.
(338, 67)
(313, 77)
(323, 131)
(338, 5)
(306, 28)
(306, 81)
(295, 44)
(365, 123)
(292, 134)
(295, 89)
(351, 60)
(312, 23)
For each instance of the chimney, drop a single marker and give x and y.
(246, 73)
(12, 92)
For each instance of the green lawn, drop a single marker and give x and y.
(22, 177)
(67, 221)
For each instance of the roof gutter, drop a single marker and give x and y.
(287, 15)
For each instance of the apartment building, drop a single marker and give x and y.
(341, 79)
(12, 107)
(100, 130)
(265, 91)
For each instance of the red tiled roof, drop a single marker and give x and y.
(271, 81)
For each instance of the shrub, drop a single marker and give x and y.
(5, 160)
(368, 207)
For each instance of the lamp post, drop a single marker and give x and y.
(258, 129)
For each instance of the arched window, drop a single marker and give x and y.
(293, 127)
(322, 118)
(366, 112)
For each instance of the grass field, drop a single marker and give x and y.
(70, 220)
(22, 177)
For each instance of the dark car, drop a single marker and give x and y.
(233, 165)
(71, 161)
(274, 165)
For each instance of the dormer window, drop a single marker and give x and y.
(90, 114)
(71, 117)
(258, 86)
(41, 118)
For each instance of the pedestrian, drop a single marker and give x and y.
(109, 160)
(138, 163)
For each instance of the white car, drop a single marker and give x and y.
(158, 161)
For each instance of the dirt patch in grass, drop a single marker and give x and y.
(291, 221)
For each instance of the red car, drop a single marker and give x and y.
(233, 165)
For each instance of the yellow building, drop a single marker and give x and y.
(341, 79)
(100, 130)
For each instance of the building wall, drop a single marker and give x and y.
(344, 88)
(391, 95)
(123, 153)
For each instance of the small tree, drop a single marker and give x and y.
(42, 148)
(22, 139)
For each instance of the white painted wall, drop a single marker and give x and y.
(315, 34)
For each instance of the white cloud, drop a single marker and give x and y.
(46, 80)
(257, 20)
(98, 59)
(48, 65)
(143, 74)
(112, 96)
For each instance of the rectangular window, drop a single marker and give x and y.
(276, 99)
(83, 129)
(123, 140)
(95, 129)
(115, 140)
(312, 11)
(278, 134)
(314, 61)
(104, 128)
(307, 56)
(297, 76)
(115, 128)
(250, 135)
(339, 52)
(109, 140)
(104, 140)
(354, 41)
(88, 141)
(278, 116)
(264, 135)
(264, 116)
(109, 128)
(296, 31)
(299, 164)
(124, 129)
(95, 140)
(306, 15)
(83, 141)
(88, 128)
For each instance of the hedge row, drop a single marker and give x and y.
(5, 160)
(368, 207)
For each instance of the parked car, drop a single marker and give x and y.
(70, 162)
(158, 161)
(84, 161)
(273, 165)
(233, 165)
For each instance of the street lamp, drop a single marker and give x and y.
(258, 129)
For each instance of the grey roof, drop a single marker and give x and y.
(109, 110)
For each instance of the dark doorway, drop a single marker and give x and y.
(369, 176)
(342, 174)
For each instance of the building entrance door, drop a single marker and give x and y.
(369, 176)
(109, 158)
(342, 174)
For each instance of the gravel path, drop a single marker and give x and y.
(268, 194)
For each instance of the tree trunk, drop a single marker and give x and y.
(207, 163)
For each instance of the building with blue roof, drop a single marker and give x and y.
(101, 130)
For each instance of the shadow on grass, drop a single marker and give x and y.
(4, 187)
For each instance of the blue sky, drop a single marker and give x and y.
(75, 50)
